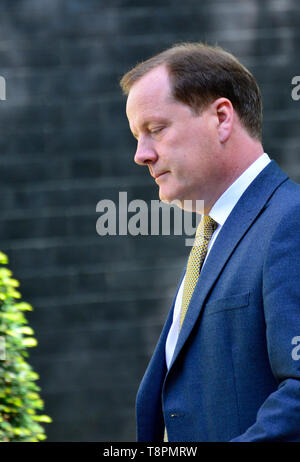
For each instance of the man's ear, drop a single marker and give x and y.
(225, 114)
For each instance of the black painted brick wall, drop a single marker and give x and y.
(100, 302)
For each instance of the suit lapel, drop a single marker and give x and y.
(249, 206)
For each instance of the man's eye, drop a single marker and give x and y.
(153, 131)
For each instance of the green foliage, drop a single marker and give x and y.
(19, 397)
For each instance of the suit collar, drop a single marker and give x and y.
(249, 206)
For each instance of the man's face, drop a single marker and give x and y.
(179, 147)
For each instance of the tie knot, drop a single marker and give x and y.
(206, 227)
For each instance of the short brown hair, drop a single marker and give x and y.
(199, 74)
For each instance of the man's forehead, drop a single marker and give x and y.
(149, 89)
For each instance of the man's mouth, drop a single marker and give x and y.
(159, 175)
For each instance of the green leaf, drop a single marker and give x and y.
(13, 293)
(32, 396)
(25, 330)
(3, 259)
(42, 418)
(29, 342)
(23, 306)
(18, 317)
(14, 283)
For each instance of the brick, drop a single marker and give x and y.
(19, 172)
(21, 118)
(24, 227)
(71, 253)
(63, 372)
(99, 280)
(87, 313)
(83, 192)
(28, 54)
(83, 419)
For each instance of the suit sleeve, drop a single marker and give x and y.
(278, 419)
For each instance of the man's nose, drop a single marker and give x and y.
(145, 154)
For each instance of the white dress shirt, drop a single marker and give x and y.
(219, 212)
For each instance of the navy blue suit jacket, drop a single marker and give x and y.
(235, 373)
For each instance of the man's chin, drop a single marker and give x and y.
(171, 200)
(166, 198)
(188, 205)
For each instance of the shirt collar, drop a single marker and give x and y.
(225, 204)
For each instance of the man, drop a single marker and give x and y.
(225, 367)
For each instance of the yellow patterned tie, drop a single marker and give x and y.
(197, 256)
